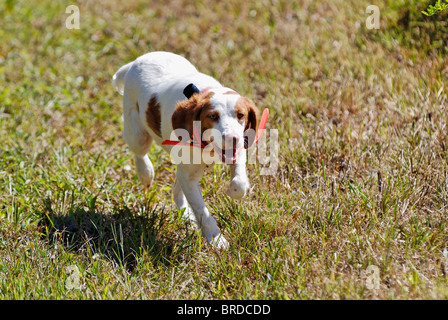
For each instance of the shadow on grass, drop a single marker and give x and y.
(120, 234)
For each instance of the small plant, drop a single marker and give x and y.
(433, 9)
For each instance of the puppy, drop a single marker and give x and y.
(164, 97)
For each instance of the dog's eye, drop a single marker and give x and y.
(240, 116)
(213, 116)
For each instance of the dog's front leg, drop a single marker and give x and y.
(188, 176)
(239, 183)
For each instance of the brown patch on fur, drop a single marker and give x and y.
(230, 92)
(138, 107)
(153, 116)
(250, 113)
(197, 108)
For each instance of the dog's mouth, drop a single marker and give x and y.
(227, 155)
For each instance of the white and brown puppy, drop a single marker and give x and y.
(162, 92)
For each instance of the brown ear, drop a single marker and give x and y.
(252, 122)
(188, 111)
(183, 116)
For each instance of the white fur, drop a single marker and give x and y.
(166, 75)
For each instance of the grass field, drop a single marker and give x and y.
(356, 210)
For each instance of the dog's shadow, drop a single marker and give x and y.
(119, 234)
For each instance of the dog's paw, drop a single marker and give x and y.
(237, 188)
(219, 242)
(145, 171)
(213, 235)
(189, 216)
(146, 178)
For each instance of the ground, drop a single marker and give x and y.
(356, 210)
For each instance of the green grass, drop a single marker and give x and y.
(362, 118)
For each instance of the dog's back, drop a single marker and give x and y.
(153, 68)
(158, 74)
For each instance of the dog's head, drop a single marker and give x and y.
(226, 119)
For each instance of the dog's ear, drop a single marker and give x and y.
(190, 90)
(253, 116)
(250, 129)
(188, 111)
(184, 115)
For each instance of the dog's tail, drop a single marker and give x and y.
(118, 78)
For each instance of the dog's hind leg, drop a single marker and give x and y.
(145, 170)
(138, 140)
